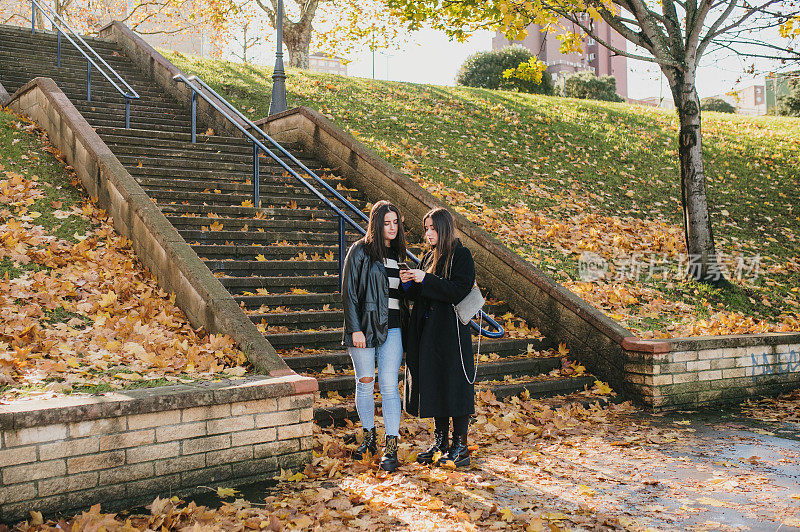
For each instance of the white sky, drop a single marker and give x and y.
(429, 57)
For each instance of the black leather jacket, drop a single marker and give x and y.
(365, 298)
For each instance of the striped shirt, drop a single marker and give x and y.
(393, 274)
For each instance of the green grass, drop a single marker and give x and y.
(537, 150)
(22, 154)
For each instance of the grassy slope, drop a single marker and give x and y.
(588, 171)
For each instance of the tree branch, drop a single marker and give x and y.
(625, 32)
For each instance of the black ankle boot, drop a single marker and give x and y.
(389, 460)
(458, 452)
(439, 446)
(370, 444)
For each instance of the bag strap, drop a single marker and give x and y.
(458, 337)
(460, 349)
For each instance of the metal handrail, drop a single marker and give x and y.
(191, 80)
(129, 93)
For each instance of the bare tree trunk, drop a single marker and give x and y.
(244, 44)
(296, 35)
(702, 265)
(298, 42)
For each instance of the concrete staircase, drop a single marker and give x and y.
(279, 262)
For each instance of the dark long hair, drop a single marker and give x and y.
(446, 244)
(373, 240)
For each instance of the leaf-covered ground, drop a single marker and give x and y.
(553, 178)
(538, 465)
(78, 313)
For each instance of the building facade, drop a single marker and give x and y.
(747, 101)
(595, 57)
(320, 62)
(777, 85)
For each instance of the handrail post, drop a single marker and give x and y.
(342, 247)
(127, 112)
(33, 17)
(256, 175)
(58, 54)
(194, 116)
(88, 81)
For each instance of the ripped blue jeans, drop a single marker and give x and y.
(389, 357)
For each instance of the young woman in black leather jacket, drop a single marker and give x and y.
(374, 313)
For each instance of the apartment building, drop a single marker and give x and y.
(320, 62)
(595, 57)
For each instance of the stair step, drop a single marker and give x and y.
(567, 387)
(182, 138)
(300, 319)
(250, 252)
(227, 147)
(231, 212)
(539, 384)
(72, 71)
(318, 339)
(282, 284)
(256, 238)
(339, 359)
(272, 200)
(271, 267)
(266, 187)
(75, 83)
(250, 224)
(292, 301)
(235, 153)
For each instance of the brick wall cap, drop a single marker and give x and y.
(71, 409)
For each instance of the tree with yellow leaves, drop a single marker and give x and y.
(674, 34)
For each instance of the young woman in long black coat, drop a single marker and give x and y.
(436, 365)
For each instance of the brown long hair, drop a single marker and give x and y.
(373, 240)
(445, 227)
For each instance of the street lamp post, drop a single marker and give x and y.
(277, 103)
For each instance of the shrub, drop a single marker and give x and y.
(789, 105)
(585, 85)
(716, 104)
(485, 70)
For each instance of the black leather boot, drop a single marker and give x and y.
(389, 460)
(458, 452)
(370, 444)
(439, 446)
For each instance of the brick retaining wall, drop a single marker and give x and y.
(126, 448)
(708, 370)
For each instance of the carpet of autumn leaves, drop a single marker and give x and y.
(554, 178)
(77, 311)
(538, 465)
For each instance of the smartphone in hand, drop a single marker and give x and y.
(403, 266)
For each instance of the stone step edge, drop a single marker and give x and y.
(326, 416)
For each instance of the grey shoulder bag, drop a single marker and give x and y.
(465, 310)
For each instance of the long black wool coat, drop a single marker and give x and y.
(435, 384)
